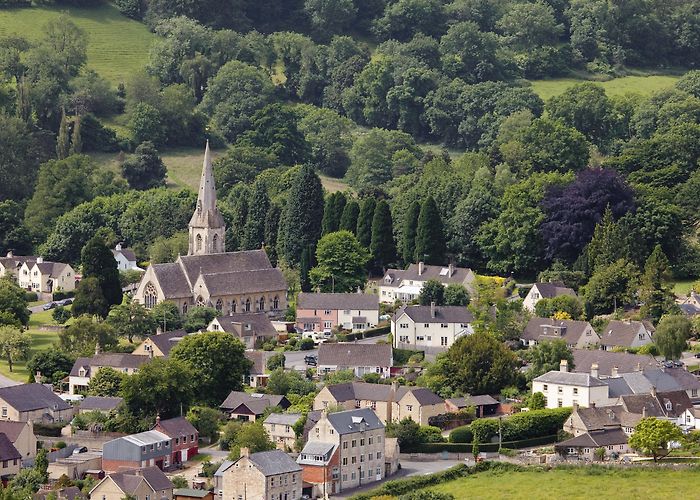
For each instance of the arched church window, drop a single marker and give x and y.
(150, 296)
(261, 304)
(276, 303)
(219, 305)
(198, 245)
(200, 302)
(184, 308)
(247, 305)
(215, 243)
(234, 306)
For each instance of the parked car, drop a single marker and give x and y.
(48, 306)
(310, 359)
(65, 302)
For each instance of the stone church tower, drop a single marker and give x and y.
(207, 230)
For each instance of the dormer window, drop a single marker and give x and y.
(669, 405)
(81, 372)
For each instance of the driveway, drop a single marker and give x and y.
(295, 359)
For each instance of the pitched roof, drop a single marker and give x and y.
(620, 333)
(430, 272)
(29, 397)
(347, 422)
(69, 493)
(569, 378)
(315, 448)
(53, 269)
(173, 282)
(7, 449)
(598, 418)
(128, 254)
(176, 427)
(443, 314)
(223, 263)
(190, 493)
(12, 429)
(543, 329)
(351, 354)
(103, 403)
(167, 340)
(338, 301)
(661, 404)
(207, 213)
(595, 439)
(483, 400)
(425, 396)
(381, 392)
(274, 462)
(128, 481)
(255, 402)
(553, 289)
(143, 438)
(116, 360)
(248, 324)
(248, 281)
(282, 418)
(606, 360)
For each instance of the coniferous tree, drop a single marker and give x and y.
(348, 221)
(382, 248)
(338, 207)
(63, 138)
(272, 222)
(304, 268)
(76, 146)
(327, 223)
(430, 236)
(98, 262)
(302, 225)
(410, 224)
(254, 233)
(364, 222)
(656, 293)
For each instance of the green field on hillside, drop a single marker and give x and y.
(117, 46)
(642, 85)
(577, 483)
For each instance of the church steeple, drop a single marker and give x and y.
(207, 230)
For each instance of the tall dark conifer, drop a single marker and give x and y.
(364, 222)
(430, 235)
(382, 247)
(348, 221)
(302, 224)
(410, 225)
(272, 222)
(254, 234)
(98, 262)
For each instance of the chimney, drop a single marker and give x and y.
(37, 377)
(118, 248)
(575, 406)
(10, 254)
(563, 366)
(432, 310)
(421, 267)
(245, 452)
(159, 330)
(594, 370)
(638, 368)
(644, 411)
(450, 270)
(653, 391)
(97, 348)
(592, 404)
(614, 371)
(157, 419)
(39, 260)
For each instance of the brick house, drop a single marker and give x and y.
(321, 312)
(184, 436)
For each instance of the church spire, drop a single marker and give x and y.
(207, 230)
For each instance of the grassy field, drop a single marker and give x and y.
(576, 484)
(117, 46)
(683, 287)
(642, 85)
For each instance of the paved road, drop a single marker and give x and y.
(295, 359)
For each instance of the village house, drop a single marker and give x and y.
(541, 291)
(406, 285)
(432, 328)
(126, 258)
(103, 404)
(320, 312)
(250, 407)
(67, 493)
(44, 277)
(75, 466)
(85, 368)
(563, 388)
(183, 435)
(690, 419)
(661, 379)
(583, 447)
(483, 405)
(145, 449)
(280, 428)
(610, 363)
(160, 344)
(256, 376)
(10, 459)
(345, 450)
(267, 475)
(690, 305)
(390, 403)
(11, 264)
(35, 402)
(360, 358)
(192, 494)
(147, 483)
(620, 334)
(231, 282)
(21, 435)
(250, 328)
(576, 334)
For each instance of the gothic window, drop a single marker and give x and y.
(234, 305)
(275, 303)
(215, 243)
(150, 296)
(261, 304)
(184, 308)
(247, 305)
(219, 305)
(200, 302)
(199, 243)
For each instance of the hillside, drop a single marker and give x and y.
(117, 45)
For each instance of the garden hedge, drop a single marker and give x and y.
(524, 425)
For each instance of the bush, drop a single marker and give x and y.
(430, 434)
(60, 295)
(306, 344)
(48, 430)
(60, 445)
(31, 296)
(521, 426)
(462, 434)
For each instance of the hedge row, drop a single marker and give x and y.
(525, 425)
(48, 430)
(483, 447)
(373, 332)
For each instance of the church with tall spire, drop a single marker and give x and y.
(208, 276)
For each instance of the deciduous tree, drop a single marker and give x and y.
(671, 336)
(341, 263)
(652, 437)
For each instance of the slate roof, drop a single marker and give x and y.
(29, 397)
(259, 360)
(167, 340)
(248, 324)
(176, 427)
(12, 429)
(7, 449)
(338, 301)
(351, 354)
(483, 400)
(172, 280)
(239, 282)
(102, 403)
(16, 261)
(606, 360)
(128, 254)
(129, 480)
(553, 289)
(620, 333)
(658, 405)
(315, 449)
(543, 329)
(274, 462)
(69, 493)
(595, 439)
(53, 269)
(347, 422)
(424, 396)
(255, 402)
(381, 392)
(224, 263)
(190, 493)
(443, 314)
(569, 378)
(598, 418)
(283, 418)
(430, 272)
(114, 360)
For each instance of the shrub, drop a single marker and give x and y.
(462, 434)
(60, 445)
(306, 344)
(31, 296)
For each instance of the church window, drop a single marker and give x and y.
(276, 303)
(261, 304)
(247, 305)
(184, 308)
(219, 305)
(150, 296)
(199, 243)
(234, 306)
(200, 301)
(215, 243)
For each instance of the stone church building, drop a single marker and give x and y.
(231, 282)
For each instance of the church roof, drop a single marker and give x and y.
(207, 214)
(228, 262)
(235, 283)
(172, 280)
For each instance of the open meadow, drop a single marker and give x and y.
(643, 85)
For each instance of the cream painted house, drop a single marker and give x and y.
(406, 285)
(267, 475)
(432, 329)
(21, 434)
(84, 369)
(565, 389)
(46, 277)
(126, 258)
(541, 291)
(148, 483)
(36, 402)
(11, 264)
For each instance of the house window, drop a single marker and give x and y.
(345, 445)
(403, 325)
(443, 341)
(575, 390)
(693, 392)
(150, 296)
(370, 456)
(379, 455)
(571, 450)
(426, 325)
(353, 460)
(560, 403)
(560, 390)
(443, 325)
(373, 406)
(234, 305)
(420, 339)
(362, 441)
(544, 387)
(327, 324)
(409, 407)
(327, 312)
(357, 405)
(345, 460)
(429, 338)
(362, 458)
(353, 444)
(641, 336)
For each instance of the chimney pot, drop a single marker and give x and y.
(10, 254)
(594, 370)
(245, 452)
(451, 269)
(563, 366)
(432, 310)
(653, 391)
(39, 260)
(421, 267)
(118, 247)
(614, 371)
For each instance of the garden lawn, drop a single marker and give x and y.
(642, 85)
(683, 288)
(577, 483)
(117, 46)
(41, 341)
